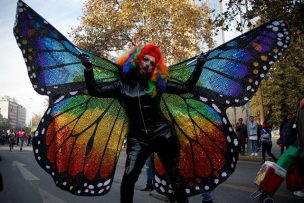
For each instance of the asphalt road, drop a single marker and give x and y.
(24, 181)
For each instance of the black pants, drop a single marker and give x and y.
(266, 147)
(242, 144)
(11, 145)
(167, 148)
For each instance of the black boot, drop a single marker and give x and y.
(149, 186)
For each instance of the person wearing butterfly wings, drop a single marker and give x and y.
(144, 77)
(79, 137)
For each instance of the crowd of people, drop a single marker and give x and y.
(255, 137)
(18, 138)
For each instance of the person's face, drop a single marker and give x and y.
(241, 120)
(147, 65)
(251, 118)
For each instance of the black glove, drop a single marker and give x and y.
(86, 60)
(201, 59)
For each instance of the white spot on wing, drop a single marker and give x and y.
(73, 93)
(275, 29)
(107, 182)
(157, 179)
(216, 108)
(162, 189)
(228, 139)
(203, 99)
(59, 99)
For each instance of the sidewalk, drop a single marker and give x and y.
(16, 148)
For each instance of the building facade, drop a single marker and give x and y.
(13, 112)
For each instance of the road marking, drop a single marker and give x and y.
(27, 175)
(250, 189)
(49, 198)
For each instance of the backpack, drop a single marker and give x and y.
(265, 135)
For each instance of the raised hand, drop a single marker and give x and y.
(201, 59)
(86, 60)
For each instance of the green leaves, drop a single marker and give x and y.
(176, 26)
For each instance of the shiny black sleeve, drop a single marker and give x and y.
(105, 90)
(176, 88)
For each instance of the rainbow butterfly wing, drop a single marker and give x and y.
(208, 153)
(230, 77)
(234, 70)
(52, 61)
(79, 137)
(80, 153)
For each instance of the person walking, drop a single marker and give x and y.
(288, 134)
(241, 132)
(11, 139)
(2, 137)
(260, 126)
(22, 137)
(252, 135)
(266, 142)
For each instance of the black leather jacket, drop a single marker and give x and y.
(145, 119)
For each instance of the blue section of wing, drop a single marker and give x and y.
(237, 54)
(46, 59)
(67, 74)
(236, 68)
(227, 67)
(218, 83)
(60, 106)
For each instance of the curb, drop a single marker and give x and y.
(16, 148)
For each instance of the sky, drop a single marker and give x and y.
(14, 80)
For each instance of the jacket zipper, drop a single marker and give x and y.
(142, 117)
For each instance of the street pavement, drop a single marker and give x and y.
(236, 189)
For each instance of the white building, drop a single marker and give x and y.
(13, 112)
